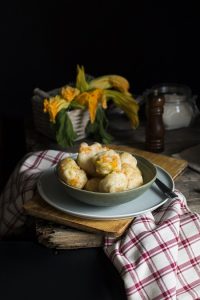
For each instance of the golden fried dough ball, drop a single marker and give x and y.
(71, 173)
(92, 184)
(85, 155)
(128, 159)
(113, 182)
(133, 175)
(107, 162)
(67, 163)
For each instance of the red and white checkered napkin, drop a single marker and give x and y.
(159, 255)
(22, 186)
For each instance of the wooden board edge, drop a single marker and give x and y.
(54, 236)
(116, 232)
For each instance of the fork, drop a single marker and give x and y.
(165, 189)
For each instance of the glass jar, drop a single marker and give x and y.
(180, 107)
(178, 112)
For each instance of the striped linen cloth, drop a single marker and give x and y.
(158, 257)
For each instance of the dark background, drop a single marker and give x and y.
(148, 42)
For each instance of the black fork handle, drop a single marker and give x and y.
(165, 189)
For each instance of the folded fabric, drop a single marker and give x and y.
(158, 257)
(21, 187)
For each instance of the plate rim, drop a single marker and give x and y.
(97, 217)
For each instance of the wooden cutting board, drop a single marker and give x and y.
(37, 207)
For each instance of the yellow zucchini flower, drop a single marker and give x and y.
(53, 106)
(127, 103)
(116, 82)
(104, 101)
(91, 99)
(69, 93)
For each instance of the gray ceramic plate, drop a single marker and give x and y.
(55, 194)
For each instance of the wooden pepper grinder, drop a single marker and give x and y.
(155, 128)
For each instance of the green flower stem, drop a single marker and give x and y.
(65, 134)
(98, 129)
